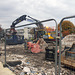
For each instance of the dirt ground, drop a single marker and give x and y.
(35, 62)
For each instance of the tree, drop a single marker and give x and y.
(49, 29)
(0, 28)
(67, 27)
(1, 32)
(66, 33)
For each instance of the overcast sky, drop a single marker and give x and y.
(39, 9)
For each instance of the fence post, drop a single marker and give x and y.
(25, 43)
(5, 45)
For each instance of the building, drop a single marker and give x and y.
(20, 32)
(27, 34)
(23, 32)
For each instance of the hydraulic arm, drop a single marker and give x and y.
(27, 18)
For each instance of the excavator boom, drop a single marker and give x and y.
(26, 18)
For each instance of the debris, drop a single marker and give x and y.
(14, 62)
(37, 47)
(68, 40)
(27, 62)
(18, 67)
(42, 44)
(22, 73)
(26, 69)
(35, 63)
(2, 52)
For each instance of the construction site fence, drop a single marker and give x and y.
(71, 54)
(30, 25)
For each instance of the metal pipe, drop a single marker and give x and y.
(56, 49)
(25, 44)
(32, 23)
(5, 46)
(13, 70)
(60, 50)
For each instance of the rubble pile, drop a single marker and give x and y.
(42, 44)
(11, 46)
(32, 64)
(68, 40)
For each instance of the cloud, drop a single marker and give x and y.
(39, 9)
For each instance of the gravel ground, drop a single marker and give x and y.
(34, 63)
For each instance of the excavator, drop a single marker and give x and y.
(13, 38)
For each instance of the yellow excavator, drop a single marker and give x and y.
(49, 35)
(45, 34)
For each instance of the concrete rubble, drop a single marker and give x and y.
(68, 40)
(32, 64)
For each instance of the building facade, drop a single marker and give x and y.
(27, 34)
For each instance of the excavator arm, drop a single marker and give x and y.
(27, 18)
(39, 24)
(18, 20)
(15, 40)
